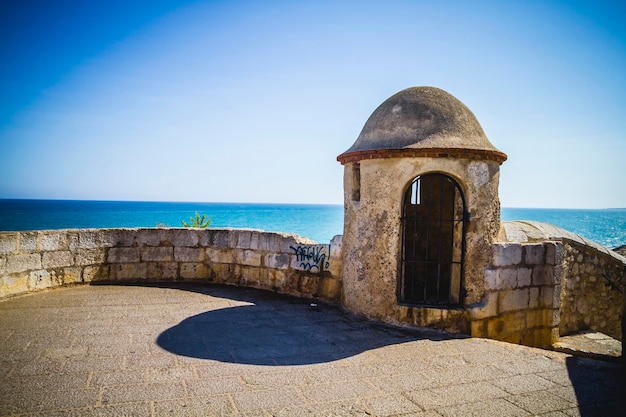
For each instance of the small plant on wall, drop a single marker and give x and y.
(199, 221)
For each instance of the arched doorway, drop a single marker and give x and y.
(433, 241)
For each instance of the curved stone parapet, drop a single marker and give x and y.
(284, 263)
(522, 231)
(545, 282)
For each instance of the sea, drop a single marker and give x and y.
(319, 222)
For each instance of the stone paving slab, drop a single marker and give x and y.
(590, 344)
(201, 350)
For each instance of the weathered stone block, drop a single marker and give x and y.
(478, 328)
(543, 338)
(53, 241)
(528, 337)
(543, 275)
(310, 258)
(547, 297)
(289, 243)
(28, 241)
(221, 238)
(250, 276)
(534, 297)
(194, 270)
(308, 284)
(335, 246)
(335, 267)
(224, 256)
(514, 338)
(488, 307)
(492, 281)
(128, 271)
(57, 259)
(330, 289)
(507, 254)
(554, 335)
(524, 277)
(22, 263)
(100, 238)
(264, 279)
(264, 241)
(277, 260)
(272, 243)
(495, 327)
(119, 238)
(89, 256)
(72, 239)
(513, 300)
(554, 253)
(432, 316)
(242, 238)
(508, 278)
(8, 243)
(123, 255)
(189, 254)
(222, 273)
(539, 318)
(205, 237)
(514, 322)
(248, 257)
(162, 270)
(38, 280)
(13, 284)
(534, 253)
(72, 275)
(277, 278)
(96, 273)
(151, 237)
(157, 254)
(254, 240)
(185, 237)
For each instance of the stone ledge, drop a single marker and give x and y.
(591, 345)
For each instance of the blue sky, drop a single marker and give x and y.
(252, 101)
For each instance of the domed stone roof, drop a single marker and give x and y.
(421, 119)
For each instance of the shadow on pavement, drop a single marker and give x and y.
(600, 387)
(270, 329)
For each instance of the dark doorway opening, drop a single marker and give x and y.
(433, 241)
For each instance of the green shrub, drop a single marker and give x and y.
(199, 222)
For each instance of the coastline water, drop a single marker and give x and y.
(315, 221)
(604, 226)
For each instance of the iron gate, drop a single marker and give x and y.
(433, 241)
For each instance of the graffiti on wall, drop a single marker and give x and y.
(312, 258)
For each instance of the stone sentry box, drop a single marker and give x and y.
(418, 147)
(423, 243)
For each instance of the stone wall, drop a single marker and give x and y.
(592, 294)
(283, 263)
(537, 292)
(521, 300)
(534, 291)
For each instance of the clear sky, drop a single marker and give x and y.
(252, 101)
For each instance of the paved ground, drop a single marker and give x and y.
(205, 350)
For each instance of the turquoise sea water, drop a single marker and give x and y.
(605, 226)
(318, 222)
